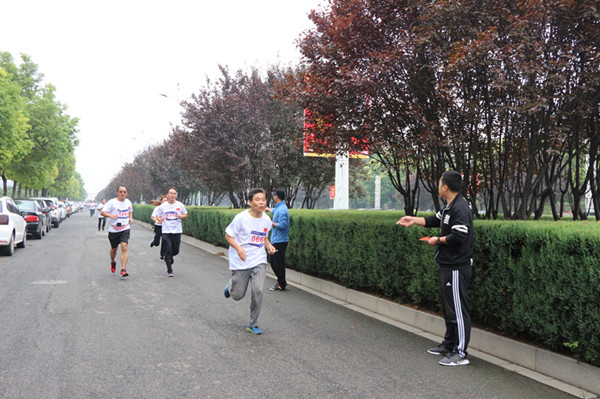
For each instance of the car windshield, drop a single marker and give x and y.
(25, 205)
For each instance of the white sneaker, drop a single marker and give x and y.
(454, 359)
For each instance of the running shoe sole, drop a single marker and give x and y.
(454, 360)
(438, 351)
(462, 362)
(226, 292)
(254, 330)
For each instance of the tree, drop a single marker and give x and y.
(239, 133)
(53, 136)
(504, 91)
(14, 142)
(224, 136)
(366, 69)
(48, 162)
(389, 196)
(295, 172)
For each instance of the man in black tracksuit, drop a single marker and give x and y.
(454, 252)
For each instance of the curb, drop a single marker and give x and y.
(557, 371)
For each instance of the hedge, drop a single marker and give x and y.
(535, 280)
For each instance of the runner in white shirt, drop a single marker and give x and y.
(170, 214)
(120, 212)
(101, 219)
(247, 236)
(158, 227)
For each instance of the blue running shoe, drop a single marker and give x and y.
(254, 330)
(226, 292)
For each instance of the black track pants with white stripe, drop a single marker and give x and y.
(454, 286)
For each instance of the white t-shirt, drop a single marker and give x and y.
(171, 224)
(250, 233)
(120, 208)
(154, 215)
(99, 210)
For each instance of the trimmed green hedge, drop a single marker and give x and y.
(540, 280)
(532, 280)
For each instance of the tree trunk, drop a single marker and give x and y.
(234, 200)
(4, 185)
(555, 214)
(308, 202)
(527, 189)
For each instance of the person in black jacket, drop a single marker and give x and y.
(454, 253)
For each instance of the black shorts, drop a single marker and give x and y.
(119, 237)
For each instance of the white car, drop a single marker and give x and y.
(13, 228)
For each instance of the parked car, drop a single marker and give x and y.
(58, 213)
(67, 207)
(13, 228)
(48, 206)
(76, 205)
(34, 216)
(63, 210)
(47, 213)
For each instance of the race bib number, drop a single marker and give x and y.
(257, 238)
(171, 215)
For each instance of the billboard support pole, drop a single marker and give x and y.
(378, 191)
(342, 181)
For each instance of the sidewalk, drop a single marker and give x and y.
(560, 372)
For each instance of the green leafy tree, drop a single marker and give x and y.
(77, 190)
(389, 196)
(49, 163)
(14, 142)
(50, 166)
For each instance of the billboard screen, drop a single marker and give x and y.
(314, 122)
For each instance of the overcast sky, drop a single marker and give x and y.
(110, 61)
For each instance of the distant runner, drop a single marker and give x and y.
(101, 219)
(158, 227)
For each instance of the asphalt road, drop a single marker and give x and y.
(72, 329)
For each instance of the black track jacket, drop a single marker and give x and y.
(456, 224)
